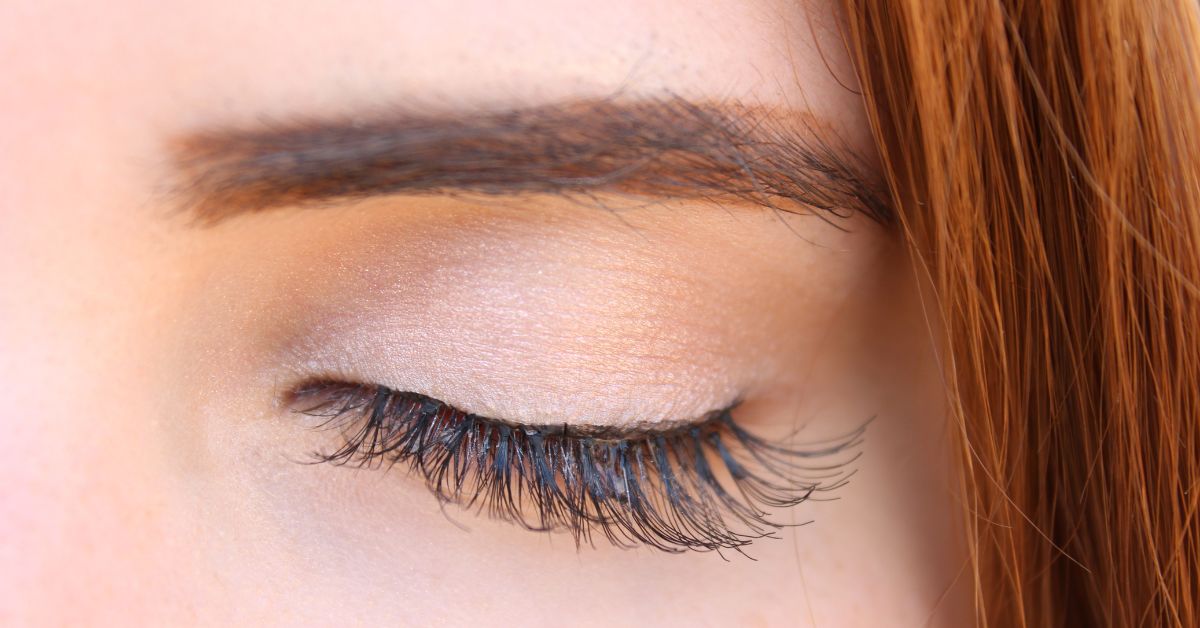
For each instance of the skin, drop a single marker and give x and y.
(150, 472)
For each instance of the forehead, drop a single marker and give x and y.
(195, 62)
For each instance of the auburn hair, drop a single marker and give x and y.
(1044, 158)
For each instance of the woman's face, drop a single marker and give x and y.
(590, 215)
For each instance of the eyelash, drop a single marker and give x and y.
(703, 486)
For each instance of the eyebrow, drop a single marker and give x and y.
(661, 148)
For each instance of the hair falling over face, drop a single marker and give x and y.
(1043, 157)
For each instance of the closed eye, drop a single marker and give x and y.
(703, 485)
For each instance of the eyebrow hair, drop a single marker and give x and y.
(665, 148)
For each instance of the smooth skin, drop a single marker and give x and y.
(148, 472)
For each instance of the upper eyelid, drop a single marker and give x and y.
(321, 392)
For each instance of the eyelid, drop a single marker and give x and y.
(704, 486)
(322, 393)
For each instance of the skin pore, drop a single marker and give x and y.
(152, 474)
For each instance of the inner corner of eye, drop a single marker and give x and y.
(311, 393)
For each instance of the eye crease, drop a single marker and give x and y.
(706, 485)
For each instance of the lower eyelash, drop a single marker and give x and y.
(704, 486)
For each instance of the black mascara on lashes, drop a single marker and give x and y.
(705, 485)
